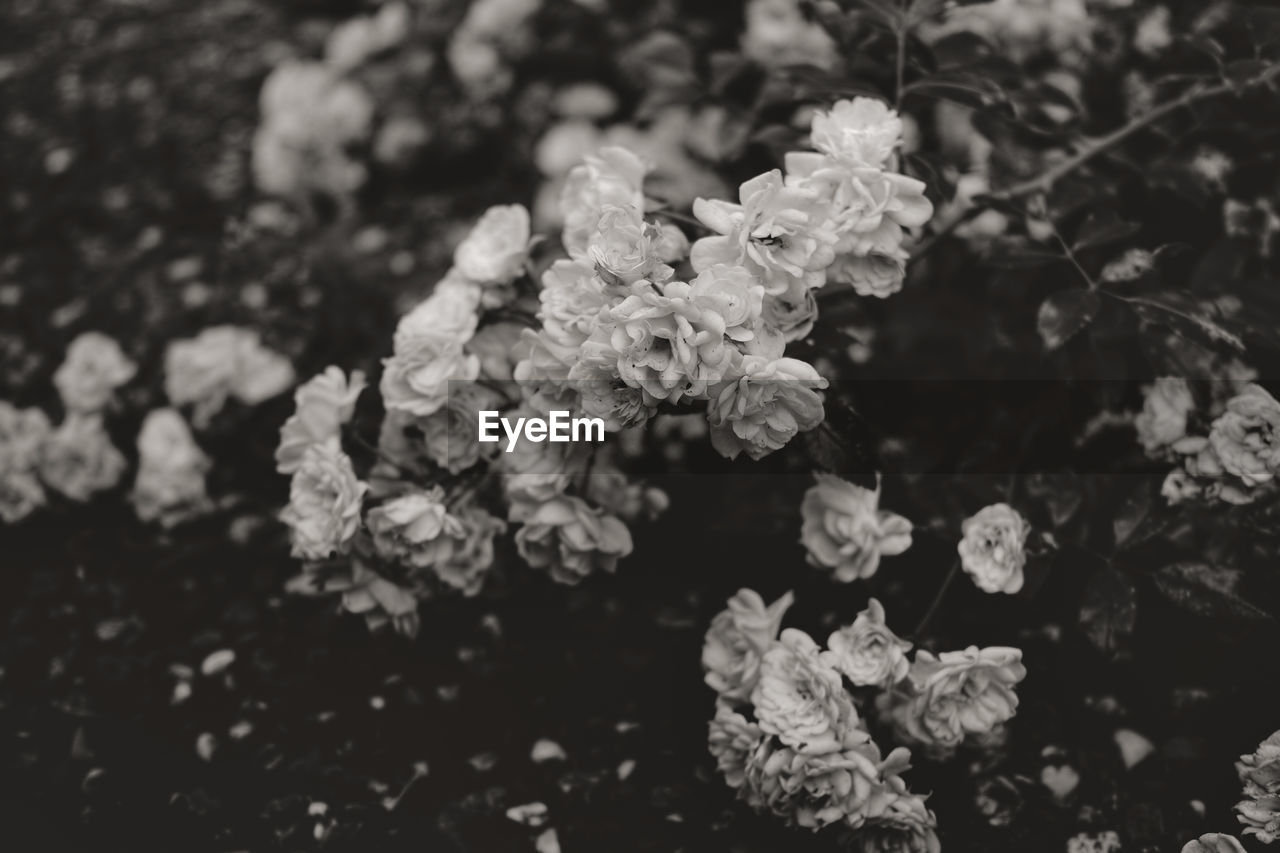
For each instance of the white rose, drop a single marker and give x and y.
(844, 529)
(611, 176)
(738, 638)
(416, 529)
(322, 405)
(1163, 420)
(78, 458)
(94, 367)
(497, 247)
(867, 652)
(862, 131)
(466, 567)
(800, 699)
(765, 408)
(992, 551)
(571, 539)
(324, 503)
(170, 484)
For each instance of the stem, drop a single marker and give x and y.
(683, 218)
(1045, 181)
(937, 599)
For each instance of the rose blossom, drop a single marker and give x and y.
(535, 472)
(611, 176)
(867, 652)
(731, 300)
(93, 369)
(466, 567)
(736, 640)
(792, 312)
(624, 248)
(572, 299)
(765, 408)
(448, 315)
(416, 529)
(800, 699)
(366, 593)
(322, 405)
(571, 539)
(732, 740)
(415, 380)
(78, 458)
(905, 826)
(992, 550)
(170, 484)
(956, 695)
(324, 502)
(861, 132)
(813, 790)
(219, 362)
(844, 529)
(878, 274)
(1260, 770)
(1246, 437)
(452, 435)
(782, 234)
(497, 247)
(1213, 842)
(1163, 420)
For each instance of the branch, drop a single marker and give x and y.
(1044, 182)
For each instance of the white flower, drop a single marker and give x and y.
(22, 433)
(355, 40)
(844, 529)
(94, 367)
(782, 234)
(613, 176)
(170, 484)
(324, 503)
(497, 247)
(535, 472)
(956, 695)
(415, 380)
(1246, 438)
(737, 639)
(867, 652)
(570, 539)
(465, 568)
(624, 248)
(416, 529)
(452, 434)
(78, 458)
(800, 699)
(1163, 420)
(779, 34)
(733, 741)
(765, 408)
(860, 132)
(731, 301)
(449, 314)
(791, 313)
(992, 551)
(1213, 842)
(572, 299)
(219, 362)
(878, 274)
(322, 405)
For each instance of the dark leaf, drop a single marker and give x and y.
(1108, 610)
(1131, 266)
(1065, 313)
(1133, 512)
(842, 443)
(1101, 228)
(1206, 591)
(1179, 311)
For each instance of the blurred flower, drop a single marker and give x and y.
(955, 695)
(452, 434)
(1260, 774)
(778, 232)
(737, 639)
(22, 433)
(416, 529)
(170, 484)
(324, 502)
(465, 568)
(792, 313)
(321, 406)
(571, 539)
(497, 247)
(78, 458)
(779, 34)
(613, 176)
(94, 367)
(878, 274)
(867, 652)
(844, 529)
(219, 362)
(1213, 842)
(800, 699)
(1246, 438)
(1102, 842)
(765, 408)
(355, 40)
(992, 550)
(860, 132)
(378, 600)
(1163, 420)
(416, 378)
(499, 348)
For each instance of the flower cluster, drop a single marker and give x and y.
(1259, 772)
(788, 736)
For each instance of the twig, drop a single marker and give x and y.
(937, 599)
(1045, 181)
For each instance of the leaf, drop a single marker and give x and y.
(1131, 266)
(1176, 309)
(1102, 228)
(1065, 313)
(842, 443)
(1133, 512)
(1206, 590)
(1108, 610)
